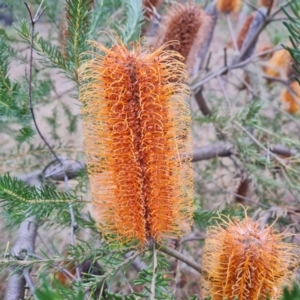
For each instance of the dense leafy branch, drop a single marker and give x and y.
(31, 201)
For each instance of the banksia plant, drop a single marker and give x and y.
(278, 64)
(189, 25)
(137, 141)
(291, 98)
(243, 260)
(228, 6)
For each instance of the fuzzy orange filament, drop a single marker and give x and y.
(229, 6)
(137, 132)
(242, 260)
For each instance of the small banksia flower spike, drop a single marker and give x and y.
(242, 260)
(228, 6)
(138, 142)
(291, 98)
(250, 41)
(244, 31)
(190, 26)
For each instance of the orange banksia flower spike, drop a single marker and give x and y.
(228, 6)
(278, 64)
(291, 98)
(189, 25)
(138, 142)
(243, 260)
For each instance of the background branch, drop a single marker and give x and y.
(23, 247)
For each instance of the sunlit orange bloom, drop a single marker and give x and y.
(291, 98)
(242, 260)
(229, 6)
(278, 64)
(137, 142)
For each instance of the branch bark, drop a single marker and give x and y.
(224, 149)
(180, 257)
(220, 149)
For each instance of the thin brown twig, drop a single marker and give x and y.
(180, 257)
(34, 20)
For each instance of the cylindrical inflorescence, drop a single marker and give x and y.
(242, 260)
(190, 26)
(138, 142)
(244, 31)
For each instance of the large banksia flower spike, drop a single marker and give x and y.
(138, 142)
(243, 260)
(191, 27)
(228, 6)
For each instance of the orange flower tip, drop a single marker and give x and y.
(291, 98)
(266, 3)
(136, 128)
(228, 6)
(243, 260)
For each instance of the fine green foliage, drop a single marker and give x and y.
(293, 27)
(77, 16)
(31, 201)
(50, 55)
(293, 294)
(45, 292)
(132, 26)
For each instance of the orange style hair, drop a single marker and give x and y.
(242, 260)
(138, 142)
